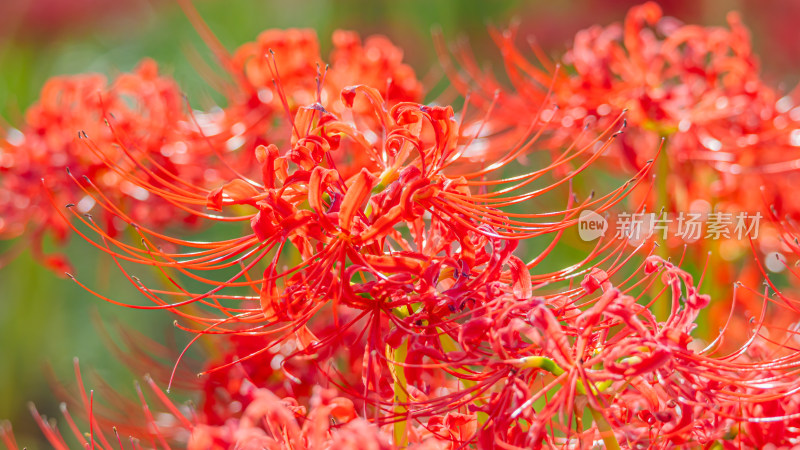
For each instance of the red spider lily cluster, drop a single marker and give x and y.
(692, 97)
(699, 88)
(378, 287)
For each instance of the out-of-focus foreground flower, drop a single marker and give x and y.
(372, 292)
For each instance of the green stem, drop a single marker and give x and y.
(544, 363)
(450, 345)
(604, 428)
(547, 364)
(662, 308)
(400, 391)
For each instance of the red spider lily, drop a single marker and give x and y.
(397, 250)
(370, 295)
(230, 410)
(697, 86)
(141, 112)
(731, 140)
(257, 418)
(283, 70)
(643, 381)
(376, 63)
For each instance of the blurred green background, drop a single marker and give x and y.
(45, 319)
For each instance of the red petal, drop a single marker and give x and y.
(356, 195)
(238, 190)
(393, 264)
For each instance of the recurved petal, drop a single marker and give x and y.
(357, 193)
